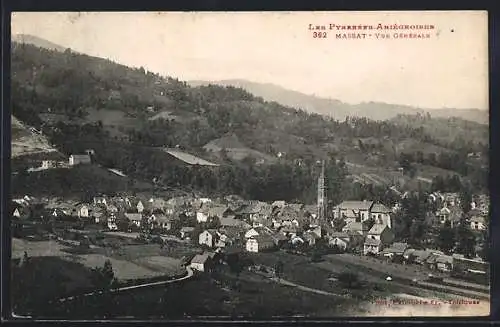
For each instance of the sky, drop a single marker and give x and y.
(447, 70)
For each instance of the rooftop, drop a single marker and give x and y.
(380, 208)
(357, 205)
(377, 229)
(189, 158)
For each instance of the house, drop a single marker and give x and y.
(82, 210)
(278, 204)
(161, 220)
(157, 203)
(355, 227)
(339, 240)
(16, 213)
(208, 237)
(112, 208)
(21, 211)
(381, 214)
(316, 230)
(258, 231)
(372, 246)
(79, 159)
(134, 217)
(233, 222)
(350, 216)
(296, 240)
(419, 257)
(310, 237)
(451, 214)
(186, 232)
(396, 250)
(477, 220)
(279, 239)
(444, 263)
(202, 214)
(289, 231)
(201, 262)
(112, 223)
(100, 200)
(361, 208)
(47, 164)
(381, 232)
(140, 206)
(223, 240)
(260, 243)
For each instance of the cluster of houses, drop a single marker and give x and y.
(73, 160)
(449, 209)
(256, 226)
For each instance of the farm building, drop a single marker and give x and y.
(396, 250)
(79, 159)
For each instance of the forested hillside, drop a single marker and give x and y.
(127, 114)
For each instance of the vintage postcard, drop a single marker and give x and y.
(251, 165)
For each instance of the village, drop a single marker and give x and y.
(148, 236)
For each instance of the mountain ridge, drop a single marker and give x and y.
(338, 109)
(37, 41)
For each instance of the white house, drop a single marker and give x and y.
(100, 200)
(381, 232)
(477, 223)
(83, 211)
(373, 246)
(256, 231)
(140, 207)
(135, 218)
(112, 223)
(259, 243)
(208, 238)
(381, 214)
(201, 216)
(200, 262)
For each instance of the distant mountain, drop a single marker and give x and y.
(37, 41)
(338, 109)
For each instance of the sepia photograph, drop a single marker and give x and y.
(249, 165)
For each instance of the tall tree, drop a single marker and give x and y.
(446, 238)
(466, 239)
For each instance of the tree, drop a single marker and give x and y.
(466, 199)
(103, 277)
(278, 269)
(446, 238)
(466, 239)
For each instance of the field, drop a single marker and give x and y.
(223, 295)
(124, 270)
(129, 261)
(37, 249)
(26, 142)
(54, 182)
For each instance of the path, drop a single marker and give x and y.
(127, 288)
(304, 288)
